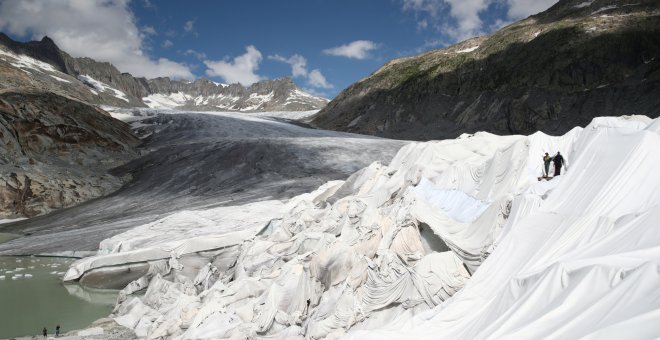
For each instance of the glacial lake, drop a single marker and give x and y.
(33, 296)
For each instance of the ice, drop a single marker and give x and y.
(455, 203)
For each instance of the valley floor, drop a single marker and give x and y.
(197, 161)
(248, 227)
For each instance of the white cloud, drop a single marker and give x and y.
(317, 79)
(299, 69)
(150, 30)
(465, 16)
(465, 13)
(189, 25)
(148, 4)
(358, 49)
(241, 70)
(196, 54)
(522, 8)
(104, 30)
(298, 64)
(168, 43)
(430, 6)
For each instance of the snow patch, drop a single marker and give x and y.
(166, 101)
(584, 4)
(467, 50)
(26, 63)
(102, 87)
(603, 9)
(11, 220)
(59, 79)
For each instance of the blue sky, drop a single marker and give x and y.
(324, 45)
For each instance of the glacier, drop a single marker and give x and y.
(452, 239)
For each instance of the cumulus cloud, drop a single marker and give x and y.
(299, 69)
(461, 19)
(104, 30)
(317, 79)
(298, 63)
(358, 49)
(168, 43)
(465, 14)
(240, 70)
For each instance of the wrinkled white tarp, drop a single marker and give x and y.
(389, 253)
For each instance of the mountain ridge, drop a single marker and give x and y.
(604, 61)
(200, 94)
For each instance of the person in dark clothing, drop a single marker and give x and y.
(57, 330)
(559, 162)
(546, 163)
(45, 331)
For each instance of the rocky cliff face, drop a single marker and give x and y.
(108, 86)
(204, 95)
(549, 72)
(56, 152)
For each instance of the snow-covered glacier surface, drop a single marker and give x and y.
(453, 239)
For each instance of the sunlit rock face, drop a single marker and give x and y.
(549, 72)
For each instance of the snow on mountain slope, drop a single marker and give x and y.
(102, 87)
(162, 101)
(454, 239)
(291, 101)
(26, 63)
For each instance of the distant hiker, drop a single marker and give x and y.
(57, 330)
(306, 308)
(559, 161)
(546, 162)
(45, 331)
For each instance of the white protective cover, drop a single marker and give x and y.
(455, 239)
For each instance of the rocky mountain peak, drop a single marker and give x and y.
(108, 86)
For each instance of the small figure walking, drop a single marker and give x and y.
(57, 331)
(559, 162)
(45, 331)
(546, 163)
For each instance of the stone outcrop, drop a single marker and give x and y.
(57, 152)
